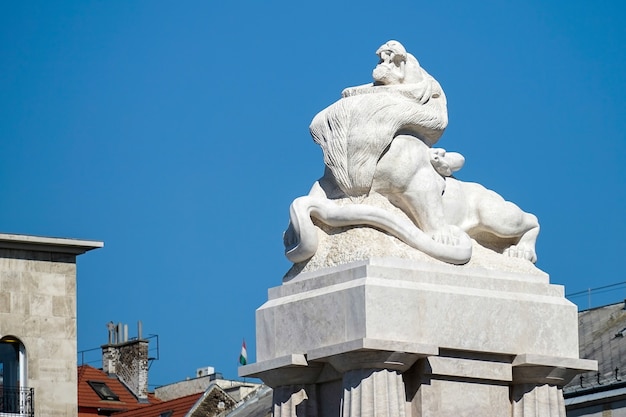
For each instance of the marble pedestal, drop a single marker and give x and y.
(390, 337)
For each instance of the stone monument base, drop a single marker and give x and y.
(392, 337)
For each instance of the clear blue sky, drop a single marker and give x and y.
(177, 133)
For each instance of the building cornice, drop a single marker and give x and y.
(48, 244)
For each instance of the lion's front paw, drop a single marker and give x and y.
(517, 251)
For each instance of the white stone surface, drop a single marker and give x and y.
(373, 392)
(395, 300)
(469, 384)
(376, 141)
(467, 368)
(458, 398)
(460, 340)
(377, 353)
(530, 400)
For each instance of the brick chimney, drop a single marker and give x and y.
(127, 359)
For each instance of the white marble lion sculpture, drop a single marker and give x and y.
(378, 139)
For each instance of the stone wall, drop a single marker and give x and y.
(38, 307)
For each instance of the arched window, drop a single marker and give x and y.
(15, 397)
(12, 362)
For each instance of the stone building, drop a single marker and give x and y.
(205, 377)
(38, 324)
(602, 334)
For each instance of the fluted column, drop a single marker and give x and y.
(373, 393)
(538, 381)
(530, 400)
(298, 400)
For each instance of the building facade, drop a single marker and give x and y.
(601, 334)
(38, 324)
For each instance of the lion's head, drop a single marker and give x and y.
(396, 66)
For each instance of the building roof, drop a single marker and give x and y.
(259, 404)
(91, 403)
(48, 244)
(209, 403)
(601, 337)
(178, 407)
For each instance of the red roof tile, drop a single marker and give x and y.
(178, 406)
(89, 402)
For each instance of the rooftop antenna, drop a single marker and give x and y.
(111, 328)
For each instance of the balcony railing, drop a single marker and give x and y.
(17, 401)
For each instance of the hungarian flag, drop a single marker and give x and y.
(243, 356)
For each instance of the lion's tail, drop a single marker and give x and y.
(301, 240)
